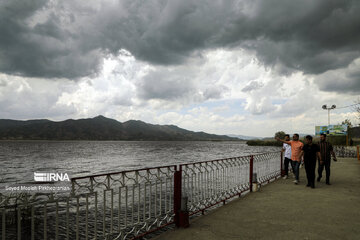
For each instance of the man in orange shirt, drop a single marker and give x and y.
(296, 149)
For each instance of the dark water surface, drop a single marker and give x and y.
(20, 159)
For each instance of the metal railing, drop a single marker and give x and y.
(208, 183)
(130, 204)
(118, 205)
(267, 166)
(346, 151)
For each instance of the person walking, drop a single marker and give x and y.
(310, 151)
(326, 150)
(296, 149)
(287, 156)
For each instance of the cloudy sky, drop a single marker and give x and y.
(225, 67)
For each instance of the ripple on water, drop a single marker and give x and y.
(86, 158)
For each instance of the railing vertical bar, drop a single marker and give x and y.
(156, 198)
(67, 218)
(119, 211)
(96, 213)
(112, 211)
(32, 223)
(126, 205)
(166, 195)
(150, 199)
(19, 223)
(202, 187)
(192, 186)
(209, 181)
(177, 195)
(205, 182)
(251, 168)
(138, 215)
(86, 217)
(77, 218)
(171, 193)
(138, 204)
(144, 203)
(45, 221)
(198, 186)
(219, 184)
(227, 184)
(223, 177)
(57, 220)
(3, 225)
(212, 184)
(228, 179)
(132, 204)
(104, 213)
(161, 183)
(233, 177)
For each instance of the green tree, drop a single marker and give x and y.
(348, 122)
(280, 134)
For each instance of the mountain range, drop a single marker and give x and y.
(98, 128)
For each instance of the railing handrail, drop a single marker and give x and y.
(167, 166)
(222, 159)
(122, 172)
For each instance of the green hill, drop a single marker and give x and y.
(98, 128)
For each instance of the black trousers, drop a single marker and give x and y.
(327, 170)
(286, 165)
(310, 166)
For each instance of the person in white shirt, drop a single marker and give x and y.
(287, 156)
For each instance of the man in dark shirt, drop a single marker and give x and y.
(326, 150)
(310, 151)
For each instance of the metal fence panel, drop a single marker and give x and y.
(208, 183)
(267, 166)
(346, 151)
(110, 206)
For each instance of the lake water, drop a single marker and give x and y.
(20, 159)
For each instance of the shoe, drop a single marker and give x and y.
(312, 186)
(296, 181)
(318, 179)
(285, 177)
(327, 183)
(308, 185)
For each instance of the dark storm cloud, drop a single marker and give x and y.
(164, 85)
(177, 84)
(304, 35)
(44, 50)
(345, 80)
(310, 36)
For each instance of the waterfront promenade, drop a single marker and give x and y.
(282, 210)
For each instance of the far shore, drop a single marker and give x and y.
(334, 140)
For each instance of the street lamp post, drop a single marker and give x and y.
(328, 108)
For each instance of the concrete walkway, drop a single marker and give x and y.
(282, 210)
